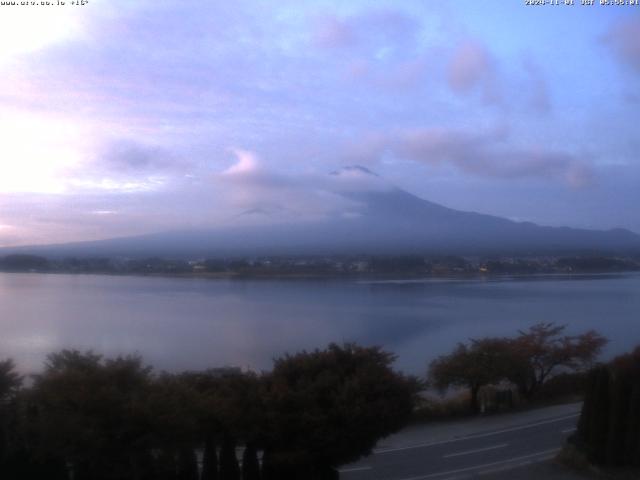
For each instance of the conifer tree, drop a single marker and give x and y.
(599, 421)
(187, 464)
(210, 461)
(632, 441)
(229, 468)
(250, 464)
(620, 387)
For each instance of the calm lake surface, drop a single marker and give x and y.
(178, 323)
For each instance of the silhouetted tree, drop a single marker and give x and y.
(187, 464)
(166, 465)
(598, 424)
(90, 412)
(22, 262)
(626, 428)
(171, 417)
(209, 460)
(609, 426)
(269, 470)
(88, 417)
(527, 360)
(250, 464)
(16, 462)
(229, 468)
(542, 350)
(632, 442)
(10, 380)
(472, 366)
(231, 409)
(620, 391)
(330, 407)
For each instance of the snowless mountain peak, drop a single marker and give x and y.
(372, 217)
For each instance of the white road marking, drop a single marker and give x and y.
(506, 468)
(354, 469)
(568, 430)
(545, 453)
(477, 450)
(479, 435)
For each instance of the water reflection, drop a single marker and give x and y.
(193, 323)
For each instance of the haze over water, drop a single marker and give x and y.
(194, 323)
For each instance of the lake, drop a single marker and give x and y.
(185, 323)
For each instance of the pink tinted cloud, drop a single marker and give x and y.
(379, 47)
(540, 100)
(372, 28)
(396, 77)
(333, 32)
(250, 186)
(485, 154)
(470, 66)
(623, 39)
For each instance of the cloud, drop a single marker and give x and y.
(247, 163)
(103, 204)
(134, 111)
(540, 99)
(471, 68)
(487, 154)
(397, 77)
(371, 30)
(623, 39)
(249, 186)
(130, 156)
(9, 235)
(333, 32)
(378, 46)
(125, 165)
(24, 30)
(96, 213)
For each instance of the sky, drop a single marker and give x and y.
(123, 117)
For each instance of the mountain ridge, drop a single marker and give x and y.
(388, 220)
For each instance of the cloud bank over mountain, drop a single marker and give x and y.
(146, 116)
(351, 211)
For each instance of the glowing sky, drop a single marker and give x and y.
(123, 117)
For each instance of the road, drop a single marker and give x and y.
(477, 454)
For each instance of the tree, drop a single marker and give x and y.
(10, 380)
(10, 383)
(91, 412)
(527, 360)
(22, 263)
(209, 460)
(89, 417)
(171, 417)
(230, 411)
(229, 468)
(609, 427)
(598, 422)
(326, 408)
(187, 464)
(625, 427)
(250, 464)
(473, 366)
(542, 350)
(632, 443)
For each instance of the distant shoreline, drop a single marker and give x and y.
(359, 267)
(371, 278)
